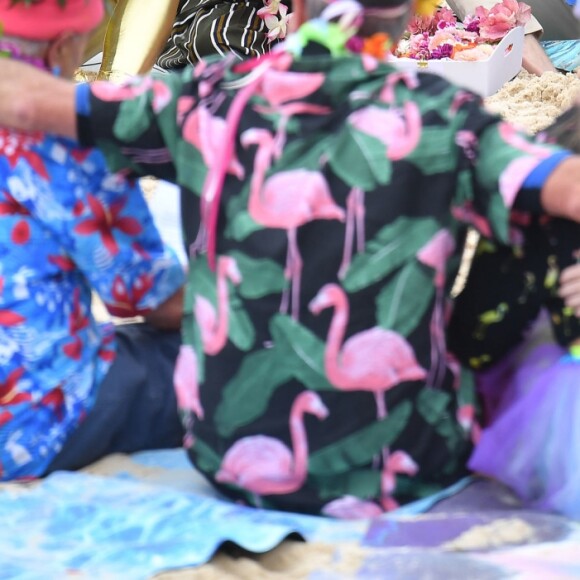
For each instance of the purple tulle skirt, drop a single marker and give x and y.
(532, 443)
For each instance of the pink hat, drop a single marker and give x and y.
(46, 19)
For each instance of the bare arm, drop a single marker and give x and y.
(32, 100)
(167, 316)
(560, 195)
(535, 60)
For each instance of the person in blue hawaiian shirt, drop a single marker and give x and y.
(72, 390)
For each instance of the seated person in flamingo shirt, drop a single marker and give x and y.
(72, 390)
(332, 194)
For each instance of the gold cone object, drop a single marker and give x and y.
(133, 37)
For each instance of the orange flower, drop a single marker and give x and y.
(377, 45)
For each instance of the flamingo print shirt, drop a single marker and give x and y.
(67, 227)
(328, 199)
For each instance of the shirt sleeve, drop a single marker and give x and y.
(105, 228)
(134, 124)
(499, 167)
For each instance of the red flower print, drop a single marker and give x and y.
(79, 155)
(55, 400)
(9, 206)
(63, 262)
(74, 348)
(105, 220)
(77, 321)
(15, 146)
(5, 416)
(78, 208)
(9, 318)
(8, 393)
(20, 233)
(107, 350)
(125, 299)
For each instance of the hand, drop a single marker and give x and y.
(570, 288)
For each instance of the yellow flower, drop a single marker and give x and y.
(426, 7)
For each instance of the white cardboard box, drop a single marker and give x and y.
(484, 77)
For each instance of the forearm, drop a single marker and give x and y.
(535, 60)
(560, 195)
(167, 316)
(33, 100)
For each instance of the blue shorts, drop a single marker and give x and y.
(136, 407)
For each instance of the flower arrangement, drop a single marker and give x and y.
(276, 18)
(441, 36)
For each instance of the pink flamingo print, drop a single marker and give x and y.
(466, 214)
(355, 219)
(132, 89)
(398, 462)
(409, 78)
(286, 112)
(459, 100)
(206, 133)
(435, 255)
(185, 383)
(264, 465)
(466, 418)
(214, 325)
(350, 507)
(512, 136)
(374, 360)
(398, 129)
(287, 200)
(282, 89)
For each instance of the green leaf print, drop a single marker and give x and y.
(241, 226)
(303, 351)
(467, 393)
(388, 250)
(206, 459)
(259, 277)
(296, 353)
(132, 120)
(364, 483)
(434, 153)
(498, 216)
(359, 159)
(240, 328)
(191, 169)
(248, 393)
(434, 406)
(402, 304)
(361, 447)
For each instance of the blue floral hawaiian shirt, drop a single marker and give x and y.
(68, 227)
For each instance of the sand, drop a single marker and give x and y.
(534, 102)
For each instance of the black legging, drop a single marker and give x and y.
(506, 289)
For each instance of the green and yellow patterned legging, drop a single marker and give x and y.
(507, 288)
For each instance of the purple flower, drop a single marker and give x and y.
(443, 51)
(355, 44)
(472, 24)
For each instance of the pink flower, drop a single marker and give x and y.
(444, 17)
(421, 24)
(277, 27)
(494, 24)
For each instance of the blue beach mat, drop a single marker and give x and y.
(130, 526)
(564, 54)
